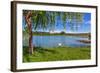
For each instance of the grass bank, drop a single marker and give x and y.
(56, 54)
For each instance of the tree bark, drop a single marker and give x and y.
(29, 24)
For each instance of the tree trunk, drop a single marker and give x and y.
(29, 25)
(30, 41)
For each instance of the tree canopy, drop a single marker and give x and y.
(47, 19)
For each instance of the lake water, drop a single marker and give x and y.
(54, 41)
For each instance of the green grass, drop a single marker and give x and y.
(56, 54)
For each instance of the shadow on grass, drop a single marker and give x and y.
(38, 49)
(56, 53)
(42, 51)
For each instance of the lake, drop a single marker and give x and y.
(55, 41)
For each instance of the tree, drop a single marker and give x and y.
(62, 32)
(47, 19)
(73, 18)
(38, 19)
(29, 25)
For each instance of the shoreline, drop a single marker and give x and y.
(85, 41)
(59, 34)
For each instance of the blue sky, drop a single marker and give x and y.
(84, 27)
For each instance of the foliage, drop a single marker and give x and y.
(47, 19)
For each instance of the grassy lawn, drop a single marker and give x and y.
(56, 54)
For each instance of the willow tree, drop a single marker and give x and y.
(72, 18)
(34, 20)
(47, 19)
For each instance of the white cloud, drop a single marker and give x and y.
(87, 22)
